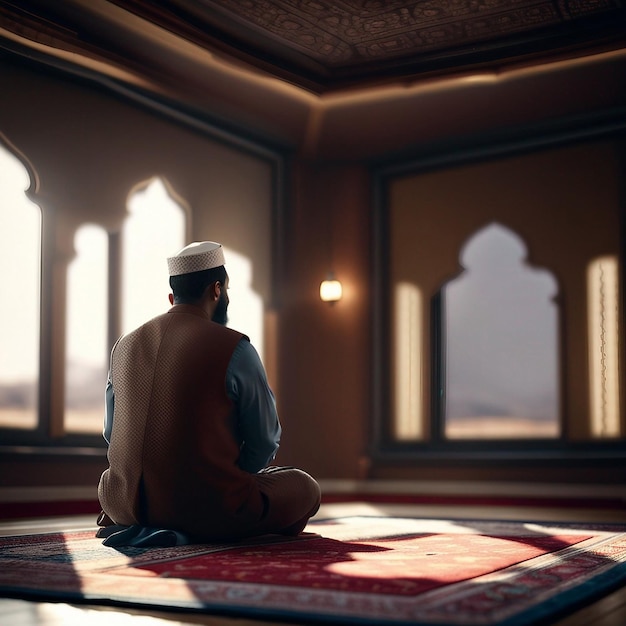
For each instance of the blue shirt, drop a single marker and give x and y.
(258, 427)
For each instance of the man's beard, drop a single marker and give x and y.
(220, 315)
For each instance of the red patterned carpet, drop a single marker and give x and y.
(353, 569)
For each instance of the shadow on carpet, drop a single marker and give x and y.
(382, 570)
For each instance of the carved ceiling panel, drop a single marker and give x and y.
(325, 45)
(331, 42)
(346, 33)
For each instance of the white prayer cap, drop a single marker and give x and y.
(197, 256)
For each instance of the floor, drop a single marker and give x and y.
(608, 611)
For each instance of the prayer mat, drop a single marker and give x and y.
(360, 569)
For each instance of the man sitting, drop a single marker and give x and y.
(191, 425)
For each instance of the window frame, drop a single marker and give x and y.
(47, 439)
(41, 436)
(384, 449)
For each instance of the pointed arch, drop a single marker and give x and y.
(500, 348)
(154, 229)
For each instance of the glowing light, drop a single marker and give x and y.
(331, 290)
(408, 363)
(245, 311)
(86, 359)
(602, 294)
(20, 256)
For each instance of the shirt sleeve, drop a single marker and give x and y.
(109, 403)
(109, 400)
(258, 425)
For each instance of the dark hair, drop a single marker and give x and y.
(189, 288)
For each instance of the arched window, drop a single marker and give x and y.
(154, 230)
(20, 258)
(500, 343)
(245, 311)
(86, 354)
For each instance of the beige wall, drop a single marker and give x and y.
(324, 395)
(563, 203)
(89, 149)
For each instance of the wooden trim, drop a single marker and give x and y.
(604, 125)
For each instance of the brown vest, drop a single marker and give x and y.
(173, 451)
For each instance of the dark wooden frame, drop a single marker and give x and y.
(383, 450)
(19, 441)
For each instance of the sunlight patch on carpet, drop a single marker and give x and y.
(365, 569)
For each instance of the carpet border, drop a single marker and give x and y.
(210, 609)
(576, 597)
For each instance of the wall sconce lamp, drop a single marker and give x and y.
(331, 289)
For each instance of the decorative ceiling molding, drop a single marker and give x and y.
(322, 45)
(182, 64)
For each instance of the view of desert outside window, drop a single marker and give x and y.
(501, 373)
(501, 342)
(153, 230)
(20, 250)
(86, 330)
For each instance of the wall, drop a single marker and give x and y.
(567, 205)
(325, 362)
(564, 204)
(87, 151)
